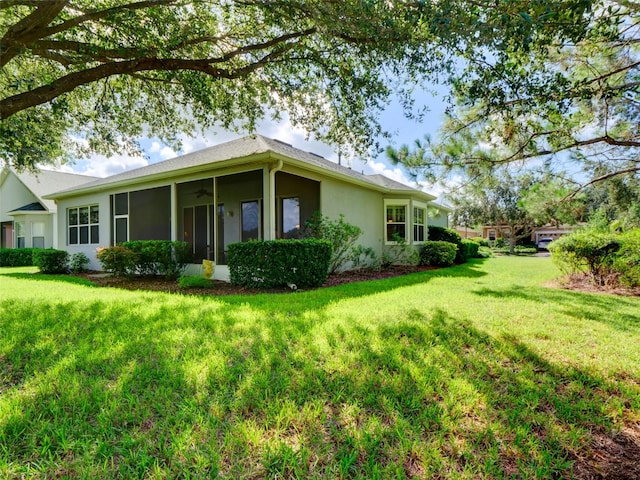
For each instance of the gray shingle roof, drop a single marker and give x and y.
(237, 149)
(32, 207)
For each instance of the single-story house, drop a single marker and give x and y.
(251, 188)
(26, 216)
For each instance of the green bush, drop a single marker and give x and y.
(278, 263)
(470, 249)
(483, 242)
(79, 263)
(118, 260)
(340, 234)
(16, 257)
(51, 261)
(438, 253)
(442, 234)
(588, 251)
(160, 257)
(517, 250)
(194, 281)
(627, 260)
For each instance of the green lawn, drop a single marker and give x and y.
(476, 371)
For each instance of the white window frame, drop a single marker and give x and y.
(391, 202)
(37, 233)
(425, 235)
(89, 225)
(121, 216)
(20, 229)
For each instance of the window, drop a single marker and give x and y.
(419, 216)
(396, 216)
(20, 235)
(120, 217)
(290, 218)
(37, 234)
(251, 221)
(82, 223)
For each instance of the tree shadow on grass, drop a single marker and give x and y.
(599, 308)
(41, 277)
(114, 390)
(321, 297)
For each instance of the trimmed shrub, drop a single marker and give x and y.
(118, 260)
(194, 281)
(160, 257)
(588, 251)
(278, 263)
(16, 257)
(79, 263)
(438, 253)
(51, 261)
(470, 249)
(442, 234)
(340, 234)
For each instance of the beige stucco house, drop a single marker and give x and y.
(251, 188)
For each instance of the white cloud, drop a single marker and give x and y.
(167, 152)
(101, 166)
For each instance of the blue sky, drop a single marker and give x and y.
(392, 119)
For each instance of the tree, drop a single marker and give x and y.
(497, 201)
(569, 103)
(82, 76)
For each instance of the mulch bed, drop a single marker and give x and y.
(160, 284)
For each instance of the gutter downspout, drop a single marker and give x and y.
(272, 198)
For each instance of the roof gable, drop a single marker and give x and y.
(45, 182)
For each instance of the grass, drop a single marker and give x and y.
(476, 371)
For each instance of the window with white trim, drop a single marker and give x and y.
(396, 220)
(419, 224)
(120, 217)
(37, 234)
(82, 225)
(20, 243)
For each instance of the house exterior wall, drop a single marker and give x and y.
(31, 224)
(439, 219)
(100, 199)
(13, 194)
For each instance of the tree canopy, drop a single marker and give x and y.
(82, 76)
(560, 103)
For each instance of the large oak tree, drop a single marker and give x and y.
(82, 76)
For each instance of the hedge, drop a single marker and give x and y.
(51, 261)
(438, 253)
(442, 234)
(16, 257)
(470, 249)
(160, 257)
(278, 263)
